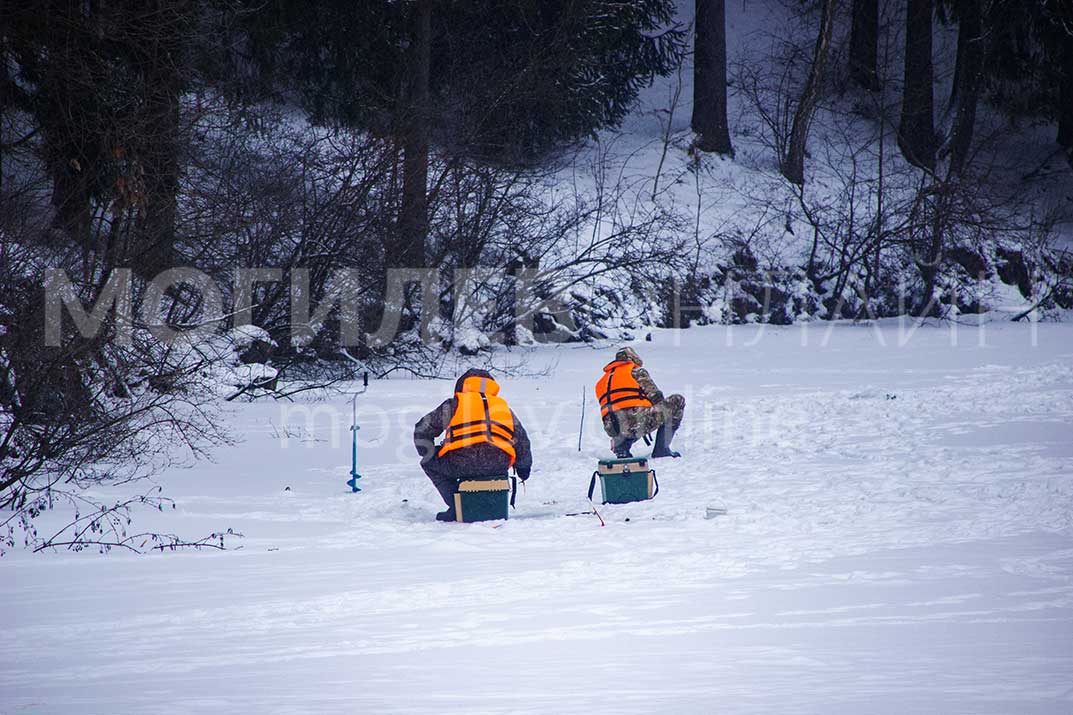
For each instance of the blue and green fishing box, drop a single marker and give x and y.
(624, 480)
(482, 498)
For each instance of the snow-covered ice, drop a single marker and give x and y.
(897, 539)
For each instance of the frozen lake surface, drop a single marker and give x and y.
(898, 538)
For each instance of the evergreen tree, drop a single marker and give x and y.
(527, 75)
(101, 83)
(502, 81)
(508, 80)
(1028, 68)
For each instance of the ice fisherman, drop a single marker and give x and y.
(484, 438)
(632, 406)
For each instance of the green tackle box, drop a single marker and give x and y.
(624, 480)
(482, 498)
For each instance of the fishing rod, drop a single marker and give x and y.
(581, 429)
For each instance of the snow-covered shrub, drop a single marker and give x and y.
(87, 412)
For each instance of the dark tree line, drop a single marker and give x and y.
(1017, 55)
(94, 90)
(507, 82)
(1001, 46)
(921, 233)
(323, 142)
(331, 142)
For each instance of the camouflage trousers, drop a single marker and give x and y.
(635, 422)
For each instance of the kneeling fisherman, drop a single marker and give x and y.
(484, 438)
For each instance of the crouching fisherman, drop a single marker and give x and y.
(632, 406)
(484, 438)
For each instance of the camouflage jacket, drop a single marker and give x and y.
(648, 385)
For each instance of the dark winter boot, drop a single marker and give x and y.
(622, 447)
(664, 435)
(446, 486)
(446, 515)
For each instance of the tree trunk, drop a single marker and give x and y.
(3, 103)
(161, 162)
(70, 197)
(916, 132)
(967, 81)
(929, 265)
(959, 63)
(863, 42)
(710, 78)
(793, 164)
(1065, 107)
(876, 277)
(69, 128)
(413, 214)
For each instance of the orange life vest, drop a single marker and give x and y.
(480, 416)
(618, 389)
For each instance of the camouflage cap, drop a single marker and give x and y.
(629, 355)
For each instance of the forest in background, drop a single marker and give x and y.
(315, 168)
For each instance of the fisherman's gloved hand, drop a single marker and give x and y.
(523, 474)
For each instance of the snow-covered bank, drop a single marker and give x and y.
(898, 538)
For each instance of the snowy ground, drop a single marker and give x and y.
(898, 538)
